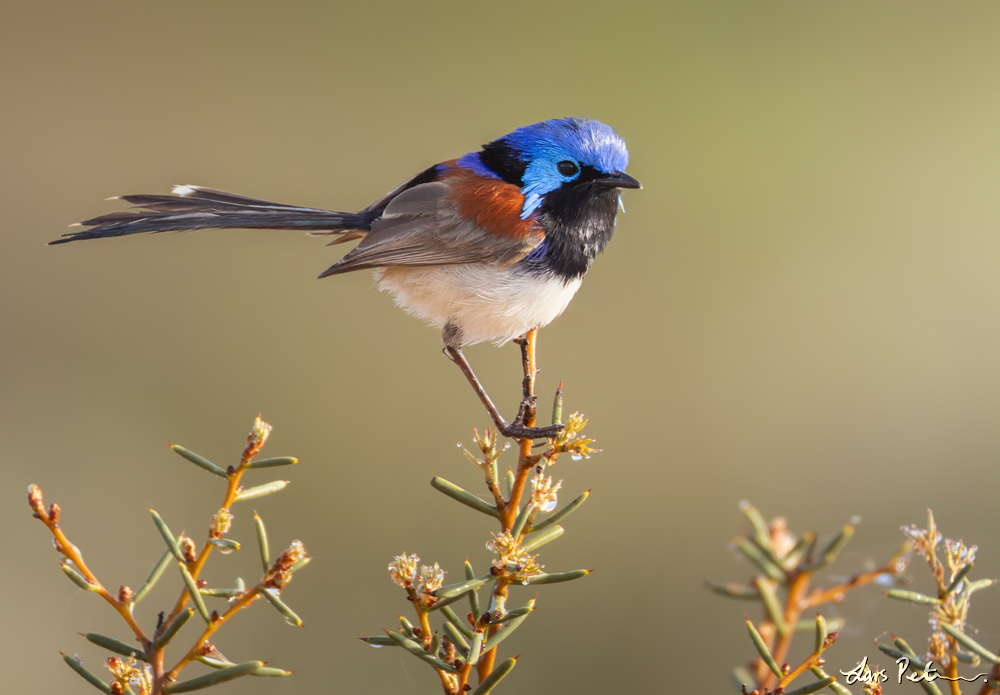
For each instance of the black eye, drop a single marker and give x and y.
(568, 168)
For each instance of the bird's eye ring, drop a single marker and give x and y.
(568, 168)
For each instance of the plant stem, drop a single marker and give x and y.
(245, 600)
(525, 460)
(953, 666)
(195, 569)
(70, 551)
(793, 610)
(820, 597)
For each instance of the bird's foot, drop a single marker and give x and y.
(518, 430)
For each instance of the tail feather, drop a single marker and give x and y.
(195, 207)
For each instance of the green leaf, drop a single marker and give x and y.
(78, 578)
(495, 677)
(769, 596)
(285, 611)
(225, 545)
(505, 631)
(461, 587)
(300, 564)
(476, 648)
(192, 587)
(116, 646)
(219, 593)
(271, 462)
(537, 540)
(753, 553)
(168, 537)
(516, 613)
(457, 638)
(473, 595)
(265, 553)
(199, 461)
(406, 625)
(904, 647)
(736, 591)
(464, 496)
(174, 627)
(812, 687)
(442, 602)
(832, 625)
(973, 587)
(263, 671)
(521, 520)
(413, 648)
(821, 632)
(559, 515)
(835, 686)
(461, 625)
(762, 649)
(929, 687)
(760, 529)
(967, 657)
(87, 675)
(896, 654)
(261, 490)
(557, 406)
(959, 577)
(829, 553)
(510, 482)
(379, 641)
(556, 577)
(154, 576)
(912, 597)
(969, 643)
(795, 554)
(214, 678)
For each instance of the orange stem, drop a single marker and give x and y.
(244, 601)
(793, 609)
(813, 660)
(821, 597)
(70, 551)
(195, 569)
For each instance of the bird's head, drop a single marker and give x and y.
(575, 158)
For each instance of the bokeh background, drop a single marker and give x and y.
(802, 308)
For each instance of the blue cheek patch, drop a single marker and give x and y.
(542, 177)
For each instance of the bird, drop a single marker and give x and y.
(485, 247)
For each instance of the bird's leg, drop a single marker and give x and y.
(515, 430)
(527, 411)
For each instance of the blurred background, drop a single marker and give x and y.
(801, 308)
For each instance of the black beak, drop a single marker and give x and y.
(618, 179)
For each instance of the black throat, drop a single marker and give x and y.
(578, 220)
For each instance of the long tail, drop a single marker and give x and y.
(195, 207)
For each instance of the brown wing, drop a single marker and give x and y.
(423, 226)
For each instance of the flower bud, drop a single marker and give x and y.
(221, 521)
(35, 498)
(255, 440)
(187, 549)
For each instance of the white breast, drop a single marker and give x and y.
(484, 302)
